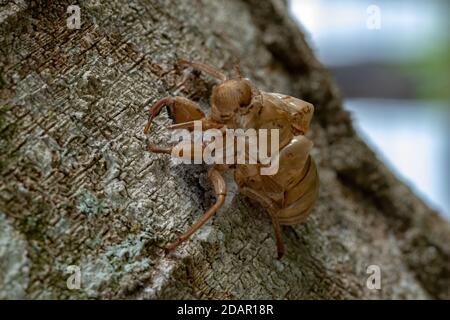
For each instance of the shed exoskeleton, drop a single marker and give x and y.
(289, 194)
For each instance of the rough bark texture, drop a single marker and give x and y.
(78, 188)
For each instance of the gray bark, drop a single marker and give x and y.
(78, 188)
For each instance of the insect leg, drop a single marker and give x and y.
(180, 110)
(190, 125)
(220, 190)
(273, 210)
(213, 72)
(278, 238)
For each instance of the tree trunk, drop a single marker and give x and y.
(78, 188)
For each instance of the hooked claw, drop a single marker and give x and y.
(173, 245)
(148, 125)
(156, 109)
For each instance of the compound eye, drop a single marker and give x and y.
(245, 95)
(244, 101)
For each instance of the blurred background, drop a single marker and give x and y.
(391, 60)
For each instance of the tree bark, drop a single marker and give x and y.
(78, 188)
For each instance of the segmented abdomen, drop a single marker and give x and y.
(300, 199)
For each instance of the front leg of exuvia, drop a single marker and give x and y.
(184, 113)
(181, 110)
(272, 209)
